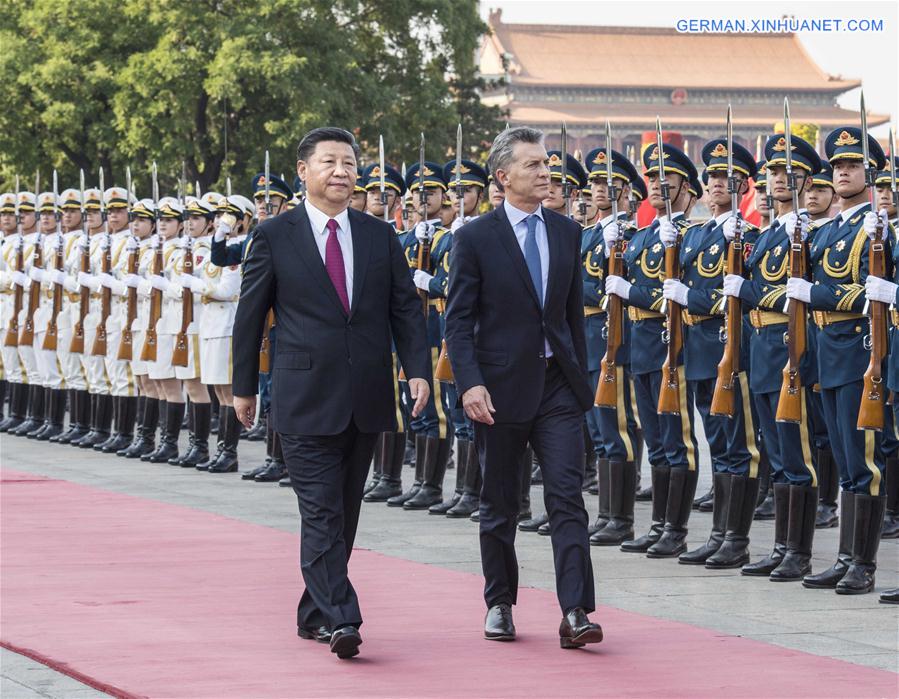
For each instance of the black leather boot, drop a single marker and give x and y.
(623, 492)
(35, 433)
(168, 440)
(276, 469)
(828, 579)
(390, 483)
(698, 556)
(139, 413)
(800, 534)
(101, 423)
(890, 596)
(35, 419)
(215, 409)
(590, 473)
(229, 431)
(88, 432)
(198, 452)
(859, 579)
(256, 433)
(253, 472)
(681, 489)
(409, 448)
(764, 506)
(124, 430)
(2, 399)
(145, 439)
(18, 407)
(526, 521)
(828, 490)
(56, 415)
(891, 486)
(399, 500)
(536, 472)
(471, 491)
(79, 415)
(115, 401)
(707, 500)
(188, 422)
(383, 446)
(603, 479)
(660, 476)
(431, 491)
(782, 521)
(442, 508)
(734, 551)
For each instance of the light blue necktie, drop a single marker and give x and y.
(532, 256)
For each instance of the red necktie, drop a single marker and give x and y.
(334, 265)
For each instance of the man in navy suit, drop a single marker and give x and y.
(341, 290)
(515, 338)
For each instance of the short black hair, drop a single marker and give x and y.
(325, 133)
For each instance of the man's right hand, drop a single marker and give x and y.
(478, 405)
(245, 407)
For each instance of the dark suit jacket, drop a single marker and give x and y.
(495, 327)
(329, 367)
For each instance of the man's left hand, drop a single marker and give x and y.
(420, 390)
(245, 407)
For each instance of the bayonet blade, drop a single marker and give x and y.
(610, 181)
(459, 193)
(102, 194)
(382, 184)
(788, 142)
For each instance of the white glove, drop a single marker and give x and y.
(131, 244)
(195, 284)
(610, 235)
(619, 286)
(57, 276)
(36, 274)
(132, 280)
(871, 221)
(731, 226)
(457, 224)
(159, 282)
(675, 290)
(154, 240)
(223, 230)
(20, 279)
(88, 280)
(106, 280)
(733, 283)
(877, 289)
(799, 289)
(182, 243)
(422, 279)
(424, 232)
(790, 225)
(84, 242)
(667, 233)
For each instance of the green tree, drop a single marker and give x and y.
(214, 83)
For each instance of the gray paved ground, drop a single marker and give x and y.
(857, 629)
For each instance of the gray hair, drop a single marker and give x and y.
(500, 156)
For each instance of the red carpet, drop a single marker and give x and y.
(140, 598)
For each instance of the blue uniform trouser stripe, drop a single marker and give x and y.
(665, 435)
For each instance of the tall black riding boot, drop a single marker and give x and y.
(168, 440)
(18, 407)
(220, 445)
(35, 412)
(124, 429)
(681, 489)
(276, 469)
(258, 431)
(199, 444)
(471, 488)
(215, 409)
(382, 449)
(56, 415)
(35, 433)
(764, 505)
(145, 439)
(603, 479)
(116, 422)
(77, 420)
(643, 494)
(526, 521)
(829, 578)
(782, 522)
(390, 484)
(590, 474)
(622, 494)
(229, 432)
(2, 399)
(734, 552)
(442, 508)
(189, 423)
(859, 579)
(721, 484)
(101, 424)
(89, 432)
(660, 475)
(800, 534)
(431, 491)
(891, 486)
(828, 490)
(400, 500)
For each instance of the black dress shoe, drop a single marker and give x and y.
(890, 596)
(498, 624)
(544, 529)
(533, 524)
(322, 633)
(576, 630)
(345, 642)
(250, 475)
(285, 482)
(275, 471)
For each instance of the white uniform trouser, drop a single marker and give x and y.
(47, 363)
(12, 365)
(73, 372)
(94, 366)
(121, 380)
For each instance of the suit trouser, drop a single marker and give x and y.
(556, 435)
(731, 439)
(670, 439)
(790, 447)
(613, 431)
(858, 453)
(328, 476)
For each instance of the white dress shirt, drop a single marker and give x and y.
(517, 218)
(319, 221)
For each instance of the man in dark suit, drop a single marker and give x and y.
(515, 337)
(340, 288)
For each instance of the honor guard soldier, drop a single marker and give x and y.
(761, 197)
(13, 258)
(586, 209)
(495, 195)
(360, 196)
(614, 441)
(821, 196)
(839, 260)
(8, 229)
(394, 188)
(732, 444)
(670, 439)
(574, 174)
(432, 437)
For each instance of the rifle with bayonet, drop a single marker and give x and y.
(84, 301)
(382, 181)
(99, 348)
(566, 189)
(729, 366)
(34, 291)
(870, 412)
(607, 388)
(126, 345)
(52, 335)
(423, 262)
(12, 332)
(444, 370)
(180, 353)
(672, 336)
(789, 405)
(265, 343)
(151, 339)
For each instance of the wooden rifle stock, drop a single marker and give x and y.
(34, 297)
(444, 370)
(729, 366)
(84, 302)
(789, 405)
(669, 392)
(265, 348)
(99, 348)
(870, 412)
(607, 388)
(52, 336)
(424, 264)
(126, 346)
(179, 355)
(148, 351)
(12, 333)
